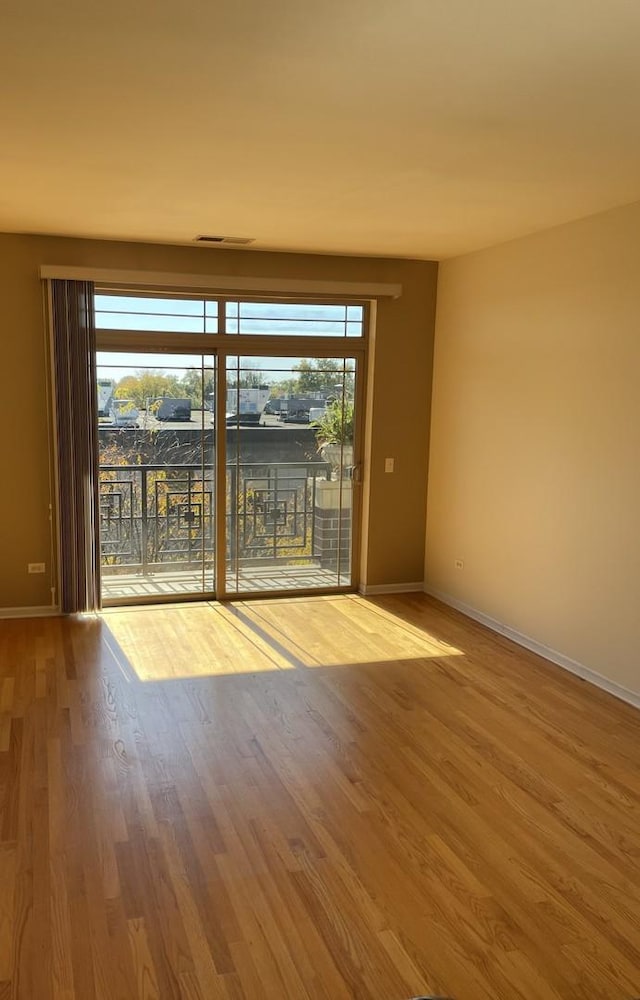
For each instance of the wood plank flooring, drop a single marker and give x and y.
(313, 799)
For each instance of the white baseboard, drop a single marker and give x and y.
(560, 660)
(37, 612)
(368, 590)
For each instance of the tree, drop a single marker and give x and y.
(192, 387)
(145, 385)
(248, 380)
(285, 387)
(322, 376)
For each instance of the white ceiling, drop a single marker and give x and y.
(416, 128)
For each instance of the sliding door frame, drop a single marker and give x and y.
(221, 346)
(358, 440)
(169, 598)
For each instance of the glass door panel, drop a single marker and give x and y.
(289, 483)
(157, 472)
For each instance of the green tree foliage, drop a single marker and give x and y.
(321, 376)
(145, 385)
(284, 387)
(317, 377)
(192, 386)
(247, 380)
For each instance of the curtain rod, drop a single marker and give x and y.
(226, 282)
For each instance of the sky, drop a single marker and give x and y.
(189, 315)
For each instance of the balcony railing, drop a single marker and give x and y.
(155, 517)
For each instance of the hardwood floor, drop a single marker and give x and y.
(317, 799)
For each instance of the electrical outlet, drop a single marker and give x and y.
(388, 464)
(459, 563)
(35, 567)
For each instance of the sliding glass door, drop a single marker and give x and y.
(156, 473)
(289, 473)
(228, 437)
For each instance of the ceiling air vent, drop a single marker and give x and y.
(226, 241)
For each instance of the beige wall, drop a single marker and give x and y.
(399, 405)
(535, 446)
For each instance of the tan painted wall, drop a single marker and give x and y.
(400, 408)
(535, 446)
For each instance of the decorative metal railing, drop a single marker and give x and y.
(155, 517)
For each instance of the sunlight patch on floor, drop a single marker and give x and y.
(200, 640)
